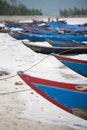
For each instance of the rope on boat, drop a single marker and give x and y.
(38, 63)
(71, 49)
(26, 69)
(2, 94)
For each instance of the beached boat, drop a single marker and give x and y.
(65, 44)
(68, 96)
(16, 35)
(79, 66)
(57, 37)
(68, 27)
(61, 50)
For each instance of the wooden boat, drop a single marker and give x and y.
(68, 27)
(79, 66)
(65, 44)
(57, 37)
(3, 29)
(70, 97)
(60, 50)
(16, 35)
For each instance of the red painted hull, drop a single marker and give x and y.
(79, 66)
(69, 97)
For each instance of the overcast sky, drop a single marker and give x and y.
(52, 7)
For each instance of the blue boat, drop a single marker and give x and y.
(79, 66)
(68, 96)
(57, 37)
(16, 35)
(68, 27)
(66, 43)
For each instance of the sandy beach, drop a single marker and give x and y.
(21, 107)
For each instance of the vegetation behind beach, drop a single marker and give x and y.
(12, 7)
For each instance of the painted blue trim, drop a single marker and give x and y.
(79, 68)
(67, 98)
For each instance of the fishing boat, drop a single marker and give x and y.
(61, 50)
(79, 66)
(76, 29)
(66, 43)
(57, 37)
(68, 96)
(16, 35)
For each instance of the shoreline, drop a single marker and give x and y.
(17, 18)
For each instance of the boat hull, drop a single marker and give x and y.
(59, 50)
(66, 44)
(69, 97)
(51, 36)
(59, 37)
(79, 66)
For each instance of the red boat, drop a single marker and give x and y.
(70, 97)
(79, 66)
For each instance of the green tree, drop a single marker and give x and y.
(73, 12)
(11, 7)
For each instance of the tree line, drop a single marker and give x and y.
(73, 12)
(12, 7)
